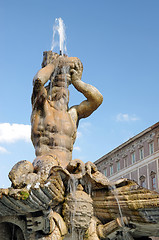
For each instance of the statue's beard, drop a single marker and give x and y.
(60, 94)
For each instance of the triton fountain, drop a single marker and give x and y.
(57, 198)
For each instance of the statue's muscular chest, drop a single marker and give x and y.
(56, 122)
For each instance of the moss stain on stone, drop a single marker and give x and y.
(24, 195)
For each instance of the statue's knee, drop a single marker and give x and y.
(43, 164)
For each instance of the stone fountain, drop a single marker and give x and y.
(57, 198)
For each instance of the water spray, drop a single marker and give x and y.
(59, 32)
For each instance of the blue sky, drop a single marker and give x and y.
(118, 44)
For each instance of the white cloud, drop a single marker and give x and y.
(77, 148)
(10, 133)
(125, 117)
(79, 134)
(3, 150)
(85, 125)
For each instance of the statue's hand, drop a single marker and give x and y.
(76, 72)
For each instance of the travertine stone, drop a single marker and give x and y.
(54, 125)
(22, 174)
(78, 210)
(57, 198)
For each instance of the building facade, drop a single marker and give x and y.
(136, 159)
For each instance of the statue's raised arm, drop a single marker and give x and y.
(94, 97)
(43, 75)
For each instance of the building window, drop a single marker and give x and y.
(111, 169)
(153, 180)
(125, 162)
(151, 148)
(143, 181)
(141, 153)
(105, 172)
(154, 183)
(118, 166)
(133, 158)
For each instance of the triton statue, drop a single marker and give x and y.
(54, 125)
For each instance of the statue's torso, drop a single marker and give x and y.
(53, 132)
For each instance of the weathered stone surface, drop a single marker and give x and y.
(59, 198)
(5, 231)
(60, 223)
(131, 201)
(43, 164)
(54, 125)
(140, 206)
(22, 174)
(78, 210)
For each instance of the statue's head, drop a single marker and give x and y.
(61, 77)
